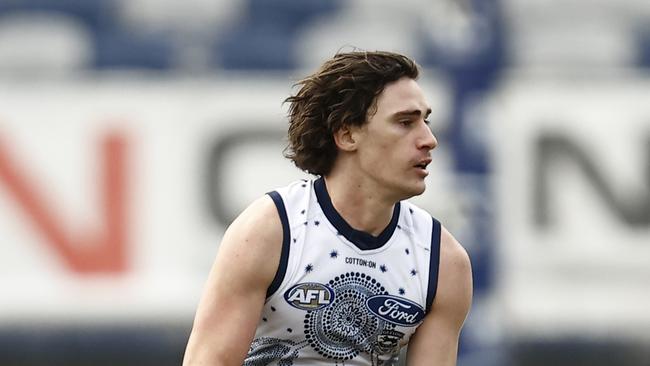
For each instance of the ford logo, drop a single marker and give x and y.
(396, 310)
(309, 296)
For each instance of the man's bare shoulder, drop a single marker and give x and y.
(260, 220)
(234, 294)
(455, 279)
(253, 242)
(453, 255)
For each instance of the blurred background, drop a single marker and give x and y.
(132, 132)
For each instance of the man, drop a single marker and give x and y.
(340, 269)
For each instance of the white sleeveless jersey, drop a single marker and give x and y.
(342, 296)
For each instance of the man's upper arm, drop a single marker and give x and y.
(436, 339)
(235, 291)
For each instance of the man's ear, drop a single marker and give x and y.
(345, 139)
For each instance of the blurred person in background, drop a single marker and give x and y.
(341, 268)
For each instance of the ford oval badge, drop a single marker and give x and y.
(396, 310)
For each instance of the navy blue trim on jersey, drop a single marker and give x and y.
(434, 263)
(286, 239)
(361, 239)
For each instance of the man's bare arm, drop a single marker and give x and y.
(235, 291)
(436, 340)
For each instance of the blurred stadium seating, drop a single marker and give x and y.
(289, 34)
(470, 44)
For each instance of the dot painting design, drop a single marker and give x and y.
(266, 350)
(334, 330)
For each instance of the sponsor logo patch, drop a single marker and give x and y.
(309, 296)
(396, 310)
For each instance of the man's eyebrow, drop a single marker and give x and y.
(412, 112)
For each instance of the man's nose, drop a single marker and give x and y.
(428, 139)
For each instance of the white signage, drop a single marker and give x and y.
(573, 202)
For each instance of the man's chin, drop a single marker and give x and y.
(420, 190)
(414, 190)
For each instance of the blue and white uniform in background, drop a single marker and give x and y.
(342, 296)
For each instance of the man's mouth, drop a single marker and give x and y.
(422, 164)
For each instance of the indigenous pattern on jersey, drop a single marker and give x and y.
(342, 296)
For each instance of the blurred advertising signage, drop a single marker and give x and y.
(114, 194)
(107, 206)
(572, 177)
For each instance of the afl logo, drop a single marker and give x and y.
(396, 310)
(309, 296)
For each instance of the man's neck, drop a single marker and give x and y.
(360, 203)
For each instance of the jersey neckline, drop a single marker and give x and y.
(360, 239)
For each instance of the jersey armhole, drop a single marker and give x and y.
(434, 263)
(286, 235)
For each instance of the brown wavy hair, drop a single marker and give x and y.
(342, 92)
